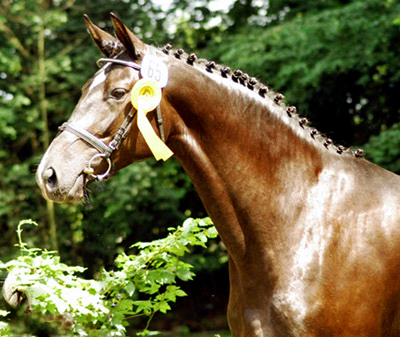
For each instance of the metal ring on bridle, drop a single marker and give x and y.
(90, 171)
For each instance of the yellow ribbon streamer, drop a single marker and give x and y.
(145, 97)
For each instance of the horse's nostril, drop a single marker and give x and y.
(50, 177)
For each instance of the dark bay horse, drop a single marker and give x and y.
(312, 229)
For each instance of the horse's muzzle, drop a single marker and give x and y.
(53, 189)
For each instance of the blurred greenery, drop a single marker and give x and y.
(336, 60)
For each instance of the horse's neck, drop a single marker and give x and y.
(244, 159)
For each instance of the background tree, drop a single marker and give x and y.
(336, 60)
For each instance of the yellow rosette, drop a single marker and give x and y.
(145, 97)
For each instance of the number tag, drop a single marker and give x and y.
(154, 69)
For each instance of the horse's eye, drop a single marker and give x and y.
(118, 93)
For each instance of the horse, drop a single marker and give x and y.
(311, 228)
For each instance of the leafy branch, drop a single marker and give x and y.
(141, 285)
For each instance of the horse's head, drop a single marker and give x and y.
(91, 144)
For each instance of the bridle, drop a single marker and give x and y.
(106, 150)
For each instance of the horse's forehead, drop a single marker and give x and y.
(105, 77)
(99, 78)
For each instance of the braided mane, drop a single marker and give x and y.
(252, 84)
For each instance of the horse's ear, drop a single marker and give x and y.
(107, 43)
(134, 46)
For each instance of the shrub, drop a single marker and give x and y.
(141, 284)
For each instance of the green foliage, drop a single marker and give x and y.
(139, 203)
(337, 62)
(384, 149)
(140, 285)
(4, 326)
(195, 23)
(157, 267)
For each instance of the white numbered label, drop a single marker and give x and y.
(154, 69)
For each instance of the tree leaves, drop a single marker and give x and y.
(142, 284)
(326, 58)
